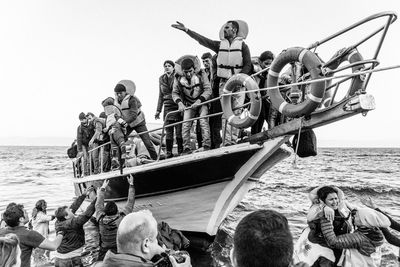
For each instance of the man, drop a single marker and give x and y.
(263, 239)
(131, 113)
(109, 217)
(14, 218)
(100, 137)
(233, 57)
(210, 67)
(69, 252)
(189, 91)
(84, 134)
(137, 242)
(265, 60)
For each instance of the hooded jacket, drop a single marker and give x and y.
(125, 260)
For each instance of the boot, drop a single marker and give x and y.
(169, 144)
(179, 142)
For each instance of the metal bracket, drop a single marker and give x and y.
(365, 102)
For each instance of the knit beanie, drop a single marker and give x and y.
(169, 62)
(82, 116)
(187, 63)
(206, 55)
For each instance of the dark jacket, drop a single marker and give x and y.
(109, 224)
(74, 235)
(165, 97)
(125, 260)
(190, 93)
(84, 134)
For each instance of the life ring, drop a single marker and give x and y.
(241, 79)
(317, 89)
(352, 56)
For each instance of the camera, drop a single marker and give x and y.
(162, 260)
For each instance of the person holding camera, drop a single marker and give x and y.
(137, 243)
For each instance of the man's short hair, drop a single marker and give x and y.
(89, 114)
(235, 25)
(110, 208)
(262, 239)
(324, 191)
(266, 55)
(60, 213)
(206, 55)
(133, 229)
(12, 215)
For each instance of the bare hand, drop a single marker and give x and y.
(368, 202)
(105, 184)
(186, 263)
(181, 107)
(329, 213)
(157, 116)
(88, 190)
(196, 104)
(131, 179)
(179, 26)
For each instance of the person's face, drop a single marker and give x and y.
(90, 118)
(332, 201)
(266, 63)
(168, 68)
(189, 73)
(229, 31)
(69, 214)
(150, 244)
(121, 95)
(207, 63)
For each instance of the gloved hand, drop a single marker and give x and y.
(122, 122)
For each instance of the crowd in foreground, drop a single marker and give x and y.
(338, 234)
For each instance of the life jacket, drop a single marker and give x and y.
(230, 59)
(192, 89)
(124, 107)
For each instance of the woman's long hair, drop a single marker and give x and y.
(9, 250)
(39, 206)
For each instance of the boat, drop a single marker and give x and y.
(195, 192)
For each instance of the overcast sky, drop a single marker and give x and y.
(58, 58)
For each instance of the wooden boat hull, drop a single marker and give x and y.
(193, 192)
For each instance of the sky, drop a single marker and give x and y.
(58, 58)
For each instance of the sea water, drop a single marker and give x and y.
(28, 174)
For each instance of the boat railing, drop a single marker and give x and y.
(301, 81)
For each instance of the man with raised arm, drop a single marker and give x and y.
(69, 252)
(233, 57)
(109, 217)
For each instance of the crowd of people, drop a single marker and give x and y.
(338, 234)
(185, 91)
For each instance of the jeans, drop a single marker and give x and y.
(205, 127)
(72, 262)
(145, 138)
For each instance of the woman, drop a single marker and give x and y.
(40, 223)
(328, 202)
(165, 98)
(10, 253)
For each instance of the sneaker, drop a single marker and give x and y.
(187, 151)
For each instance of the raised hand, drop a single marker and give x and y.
(105, 184)
(131, 179)
(179, 26)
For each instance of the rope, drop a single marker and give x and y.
(297, 144)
